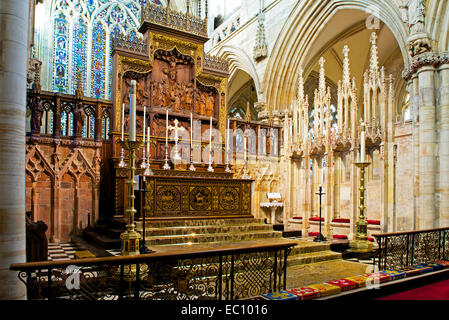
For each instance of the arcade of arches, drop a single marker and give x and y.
(295, 79)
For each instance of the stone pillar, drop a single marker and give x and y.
(428, 148)
(444, 146)
(329, 197)
(415, 106)
(354, 193)
(13, 71)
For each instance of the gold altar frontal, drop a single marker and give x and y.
(179, 194)
(196, 197)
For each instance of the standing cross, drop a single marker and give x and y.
(176, 128)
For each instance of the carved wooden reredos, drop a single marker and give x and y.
(172, 72)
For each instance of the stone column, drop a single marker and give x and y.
(428, 148)
(444, 146)
(354, 192)
(415, 106)
(13, 71)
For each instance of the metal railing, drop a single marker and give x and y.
(402, 249)
(227, 273)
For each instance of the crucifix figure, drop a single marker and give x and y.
(176, 157)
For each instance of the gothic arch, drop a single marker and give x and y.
(77, 165)
(238, 59)
(303, 27)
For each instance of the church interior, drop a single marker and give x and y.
(224, 150)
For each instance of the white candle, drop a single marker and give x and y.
(166, 128)
(123, 122)
(227, 142)
(244, 148)
(191, 130)
(132, 112)
(144, 121)
(148, 141)
(362, 144)
(210, 139)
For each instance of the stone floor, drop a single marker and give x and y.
(304, 275)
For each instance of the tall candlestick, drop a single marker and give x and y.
(244, 149)
(166, 165)
(210, 140)
(144, 122)
(132, 112)
(227, 169)
(166, 128)
(227, 143)
(148, 142)
(362, 144)
(192, 167)
(123, 122)
(210, 169)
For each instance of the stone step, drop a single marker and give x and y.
(304, 247)
(207, 229)
(198, 223)
(312, 257)
(207, 238)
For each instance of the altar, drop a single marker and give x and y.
(189, 196)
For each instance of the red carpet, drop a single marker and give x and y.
(436, 291)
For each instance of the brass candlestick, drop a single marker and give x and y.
(361, 243)
(130, 238)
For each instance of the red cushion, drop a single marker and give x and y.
(313, 234)
(297, 218)
(371, 239)
(344, 284)
(340, 237)
(316, 219)
(376, 222)
(341, 220)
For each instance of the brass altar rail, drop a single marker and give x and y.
(226, 273)
(402, 249)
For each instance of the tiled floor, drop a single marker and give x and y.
(63, 251)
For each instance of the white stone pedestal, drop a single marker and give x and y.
(272, 206)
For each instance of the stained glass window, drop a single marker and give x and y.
(79, 55)
(60, 54)
(89, 124)
(105, 125)
(98, 60)
(67, 124)
(82, 42)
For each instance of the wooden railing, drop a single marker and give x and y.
(55, 115)
(226, 273)
(402, 249)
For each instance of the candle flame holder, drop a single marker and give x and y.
(122, 163)
(130, 238)
(361, 243)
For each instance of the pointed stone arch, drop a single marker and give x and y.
(303, 27)
(238, 59)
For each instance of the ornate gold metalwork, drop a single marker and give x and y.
(130, 238)
(190, 197)
(361, 243)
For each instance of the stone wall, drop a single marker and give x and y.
(62, 185)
